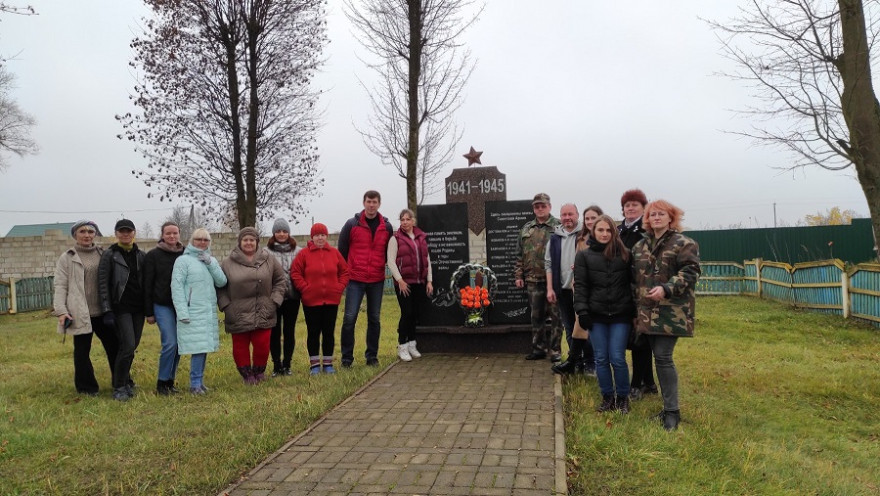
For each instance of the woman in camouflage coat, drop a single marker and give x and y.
(666, 266)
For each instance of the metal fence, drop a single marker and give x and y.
(826, 286)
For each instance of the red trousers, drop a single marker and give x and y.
(241, 347)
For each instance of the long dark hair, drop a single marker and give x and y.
(614, 247)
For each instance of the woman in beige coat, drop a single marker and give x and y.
(77, 305)
(254, 291)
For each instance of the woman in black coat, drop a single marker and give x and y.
(604, 305)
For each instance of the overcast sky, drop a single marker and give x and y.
(582, 100)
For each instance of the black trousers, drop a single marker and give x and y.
(83, 372)
(321, 323)
(129, 328)
(285, 326)
(409, 312)
(643, 374)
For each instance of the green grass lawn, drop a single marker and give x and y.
(774, 401)
(53, 441)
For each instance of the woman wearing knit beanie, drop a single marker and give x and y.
(78, 307)
(254, 291)
(284, 248)
(320, 274)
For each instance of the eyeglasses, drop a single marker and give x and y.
(201, 239)
(86, 231)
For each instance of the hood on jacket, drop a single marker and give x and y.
(562, 232)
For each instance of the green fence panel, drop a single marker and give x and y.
(720, 278)
(776, 282)
(5, 297)
(817, 286)
(33, 294)
(853, 243)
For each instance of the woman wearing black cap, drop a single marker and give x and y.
(121, 286)
(78, 307)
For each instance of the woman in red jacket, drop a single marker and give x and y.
(320, 274)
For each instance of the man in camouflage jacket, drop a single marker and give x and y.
(529, 272)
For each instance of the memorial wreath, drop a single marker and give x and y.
(475, 285)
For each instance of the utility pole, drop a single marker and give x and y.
(774, 214)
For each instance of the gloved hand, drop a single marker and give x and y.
(205, 258)
(584, 321)
(109, 320)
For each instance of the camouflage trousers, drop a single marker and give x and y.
(545, 338)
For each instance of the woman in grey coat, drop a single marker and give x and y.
(78, 307)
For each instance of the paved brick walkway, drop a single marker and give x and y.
(440, 425)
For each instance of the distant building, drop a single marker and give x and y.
(40, 229)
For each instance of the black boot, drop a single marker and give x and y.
(623, 404)
(574, 356)
(566, 367)
(607, 403)
(671, 418)
(162, 388)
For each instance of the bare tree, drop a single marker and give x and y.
(227, 112)
(810, 64)
(422, 68)
(15, 123)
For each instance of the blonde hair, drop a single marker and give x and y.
(200, 233)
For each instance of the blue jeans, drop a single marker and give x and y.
(197, 369)
(166, 319)
(609, 348)
(354, 295)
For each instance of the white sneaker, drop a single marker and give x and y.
(413, 352)
(403, 352)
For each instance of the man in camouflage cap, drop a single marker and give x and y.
(529, 273)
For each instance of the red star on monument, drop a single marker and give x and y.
(473, 157)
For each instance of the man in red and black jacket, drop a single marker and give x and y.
(363, 242)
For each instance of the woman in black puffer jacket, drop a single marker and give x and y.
(604, 305)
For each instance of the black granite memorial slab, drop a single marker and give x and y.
(447, 233)
(504, 219)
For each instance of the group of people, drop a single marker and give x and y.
(110, 293)
(611, 286)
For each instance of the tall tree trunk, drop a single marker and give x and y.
(415, 68)
(238, 172)
(248, 216)
(859, 103)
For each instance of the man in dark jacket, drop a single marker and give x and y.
(559, 263)
(363, 242)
